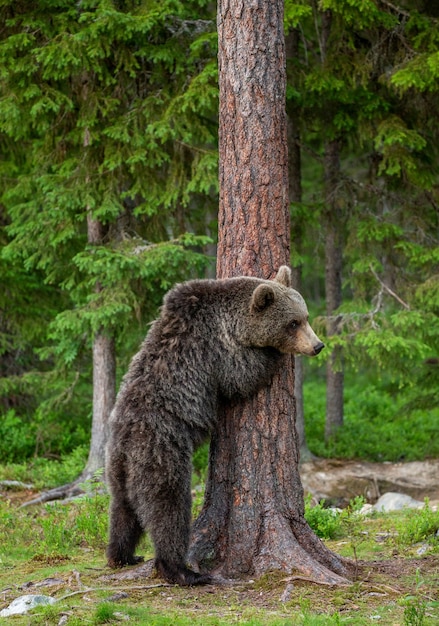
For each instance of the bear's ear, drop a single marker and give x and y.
(262, 297)
(284, 276)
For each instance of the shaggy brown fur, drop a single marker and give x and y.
(214, 339)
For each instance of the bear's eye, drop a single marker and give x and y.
(294, 325)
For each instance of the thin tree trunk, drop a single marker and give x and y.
(104, 395)
(297, 235)
(104, 364)
(333, 262)
(104, 375)
(253, 516)
(333, 284)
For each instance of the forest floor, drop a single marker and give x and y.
(58, 551)
(338, 480)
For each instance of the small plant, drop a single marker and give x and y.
(104, 613)
(324, 522)
(414, 611)
(352, 523)
(45, 616)
(17, 439)
(415, 606)
(58, 535)
(419, 525)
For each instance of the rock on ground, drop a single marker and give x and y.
(395, 501)
(23, 604)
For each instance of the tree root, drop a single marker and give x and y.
(65, 493)
(282, 545)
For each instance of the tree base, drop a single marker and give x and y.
(283, 545)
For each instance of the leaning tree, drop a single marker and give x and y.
(253, 520)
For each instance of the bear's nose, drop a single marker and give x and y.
(318, 348)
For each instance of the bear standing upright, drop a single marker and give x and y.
(213, 339)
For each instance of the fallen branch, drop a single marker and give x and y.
(314, 581)
(127, 588)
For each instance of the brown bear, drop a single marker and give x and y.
(213, 340)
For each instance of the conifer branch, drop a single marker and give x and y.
(388, 290)
(395, 8)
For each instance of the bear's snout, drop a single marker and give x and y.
(318, 348)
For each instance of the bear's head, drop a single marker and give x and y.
(278, 318)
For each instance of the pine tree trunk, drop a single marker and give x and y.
(104, 395)
(333, 284)
(104, 375)
(333, 260)
(297, 235)
(253, 517)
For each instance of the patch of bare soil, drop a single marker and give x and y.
(399, 569)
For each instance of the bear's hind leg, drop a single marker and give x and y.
(125, 533)
(169, 521)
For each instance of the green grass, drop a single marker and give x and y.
(65, 543)
(44, 473)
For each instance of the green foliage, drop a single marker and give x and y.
(120, 272)
(414, 611)
(45, 473)
(62, 530)
(58, 531)
(330, 523)
(356, 76)
(295, 12)
(361, 13)
(419, 525)
(104, 613)
(200, 459)
(16, 439)
(381, 423)
(325, 522)
(107, 115)
(57, 425)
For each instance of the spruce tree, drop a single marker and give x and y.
(112, 110)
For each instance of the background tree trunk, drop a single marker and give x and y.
(104, 375)
(333, 261)
(253, 517)
(104, 394)
(333, 285)
(297, 236)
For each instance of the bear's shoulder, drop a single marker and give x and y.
(188, 297)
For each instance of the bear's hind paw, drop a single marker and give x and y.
(117, 563)
(181, 575)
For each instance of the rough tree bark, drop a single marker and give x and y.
(252, 520)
